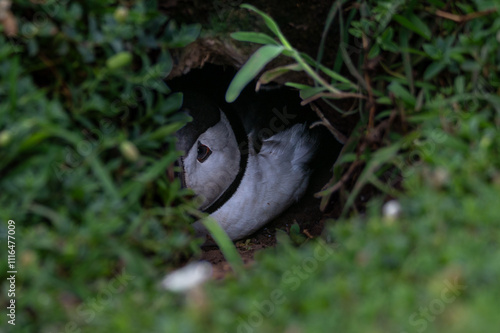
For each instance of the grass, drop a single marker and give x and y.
(86, 127)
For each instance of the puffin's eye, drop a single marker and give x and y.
(203, 153)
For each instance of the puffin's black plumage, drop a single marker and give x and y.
(205, 114)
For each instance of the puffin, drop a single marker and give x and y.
(247, 163)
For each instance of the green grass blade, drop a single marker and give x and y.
(271, 24)
(225, 244)
(402, 93)
(103, 175)
(159, 167)
(379, 158)
(309, 92)
(297, 85)
(253, 66)
(274, 73)
(414, 24)
(329, 20)
(433, 69)
(253, 37)
(404, 43)
(161, 132)
(327, 70)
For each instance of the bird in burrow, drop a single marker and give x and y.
(245, 167)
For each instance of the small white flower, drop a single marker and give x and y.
(188, 277)
(391, 210)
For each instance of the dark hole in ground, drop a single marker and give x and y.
(213, 81)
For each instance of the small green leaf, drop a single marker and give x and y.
(334, 75)
(470, 66)
(421, 26)
(157, 168)
(433, 69)
(160, 133)
(415, 24)
(119, 60)
(347, 158)
(186, 35)
(296, 236)
(271, 24)
(173, 103)
(297, 85)
(402, 93)
(252, 67)
(384, 100)
(274, 73)
(374, 51)
(404, 37)
(104, 178)
(253, 37)
(460, 84)
(311, 91)
(432, 51)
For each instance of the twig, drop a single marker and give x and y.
(332, 95)
(325, 122)
(371, 103)
(464, 18)
(307, 233)
(342, 180)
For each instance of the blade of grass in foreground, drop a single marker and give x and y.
(225, 244)
(253, 66)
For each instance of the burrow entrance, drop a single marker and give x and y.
(213, 80)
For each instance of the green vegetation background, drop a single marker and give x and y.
(86, 127)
